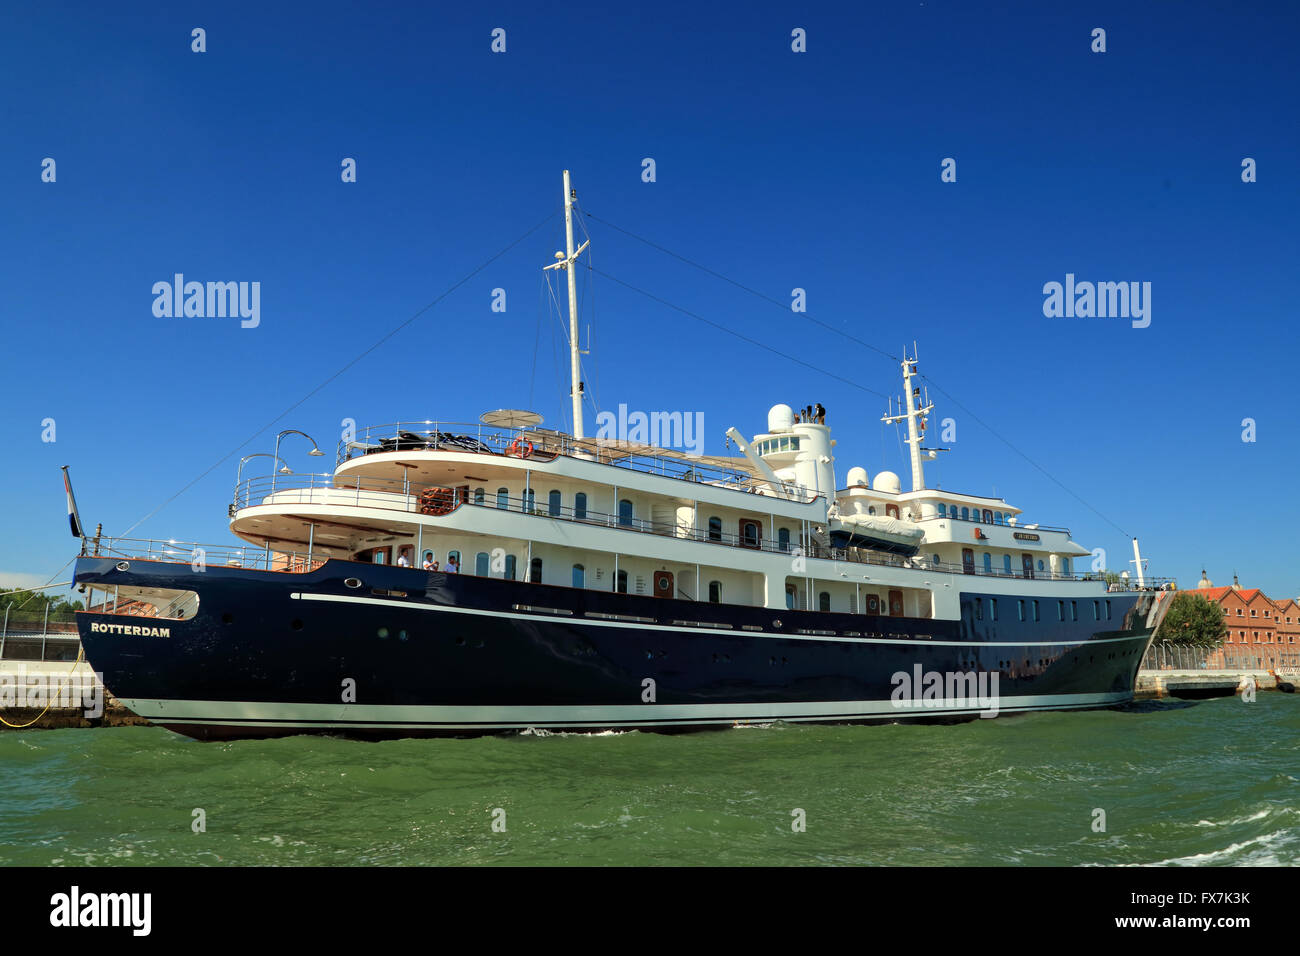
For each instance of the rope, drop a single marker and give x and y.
(744, 338)
(784, 306)
(456, 285)
(80, 653)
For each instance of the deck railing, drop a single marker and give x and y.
(980, 520)
(197, 554)
(390, 494)
(494, 440)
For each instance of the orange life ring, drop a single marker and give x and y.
(520, 448)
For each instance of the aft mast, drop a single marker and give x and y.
(565, 261)
(915, 416)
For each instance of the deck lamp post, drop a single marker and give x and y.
(315, 450)
(239, 474)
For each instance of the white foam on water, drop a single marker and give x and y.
(541, 732)
(1267, 843)
(1250, 819)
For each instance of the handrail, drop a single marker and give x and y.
(494, 440)
(980, 521)
(209, 555)
(391, 494)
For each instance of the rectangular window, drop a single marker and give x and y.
(979, 609)
(1108, 609)
(1035, 610)
(1060, 610)
(1096, 610)
(1020, 608)
(993, 608)
(1074, 610)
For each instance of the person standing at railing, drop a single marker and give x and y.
(429, 563)
(451, 566)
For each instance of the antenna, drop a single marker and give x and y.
(918, 409)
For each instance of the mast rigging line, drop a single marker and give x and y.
(419, 312)
(785, 306)
(744, 338)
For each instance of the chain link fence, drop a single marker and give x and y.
(1165, 656)
(42, 635)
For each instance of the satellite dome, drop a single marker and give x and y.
(857, 478)
(887, 481)
(780, 418)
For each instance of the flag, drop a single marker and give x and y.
(74, 519)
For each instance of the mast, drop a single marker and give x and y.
(915, 415)
(565, 261)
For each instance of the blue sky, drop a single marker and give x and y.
(817, 170)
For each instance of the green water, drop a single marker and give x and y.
(1214, 782)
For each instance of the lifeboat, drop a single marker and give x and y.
(878, 532)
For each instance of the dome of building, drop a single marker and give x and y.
(887, 481)
(780, 418)
(1204, 582)
(857, 478)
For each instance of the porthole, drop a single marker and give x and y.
(401, 635)
(352, 582)
(124, 566)
(296, 624)
(383, 633)
(460, 642)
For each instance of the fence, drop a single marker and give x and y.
(1165, 656)
(38, 636)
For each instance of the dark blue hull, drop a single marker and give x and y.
(408, 653)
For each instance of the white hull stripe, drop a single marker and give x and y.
(588, 622)
(263, 713)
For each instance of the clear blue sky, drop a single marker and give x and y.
(817, 170)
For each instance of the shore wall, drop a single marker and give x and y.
(49, 695)
(1155, 684)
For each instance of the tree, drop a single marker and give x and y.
(1192, 620)
(33, 603)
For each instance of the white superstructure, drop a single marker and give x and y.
(505, 497)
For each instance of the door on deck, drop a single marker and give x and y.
(895, 603)
(891, 511)
(1027, 565)
(663, 584)
(967, 561)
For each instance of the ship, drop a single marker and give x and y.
(496, 576)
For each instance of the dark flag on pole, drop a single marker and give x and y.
(74, 519)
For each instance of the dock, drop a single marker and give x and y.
(51, 695)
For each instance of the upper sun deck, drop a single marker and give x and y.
(544, 446)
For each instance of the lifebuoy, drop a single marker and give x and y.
(519, 448)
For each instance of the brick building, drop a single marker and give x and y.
(1262, 633)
